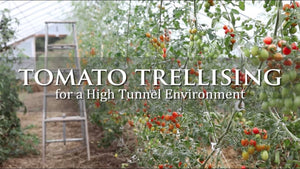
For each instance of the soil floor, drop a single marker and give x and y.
(73, 154)
(58, 155)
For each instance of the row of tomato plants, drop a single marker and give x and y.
(179, 133)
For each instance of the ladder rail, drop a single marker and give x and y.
(64, 119)
(82, 101)
(45, 98)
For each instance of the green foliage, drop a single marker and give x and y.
(119, 30)
(13, 140)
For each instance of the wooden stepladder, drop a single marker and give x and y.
(82, 117)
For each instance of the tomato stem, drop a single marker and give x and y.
(277, 19)
(220, 139)
(273, 111)
(181, 106)
(195, 13)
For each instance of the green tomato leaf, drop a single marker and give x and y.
(235, 11)
(176, 24)
(214, 22)
(242, 5)
(232, 18)
(226, 16)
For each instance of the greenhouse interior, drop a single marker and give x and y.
(150, 84)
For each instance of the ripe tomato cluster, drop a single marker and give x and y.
(229, 32)
(279, 61)
(281, 55)
(277, 55)
(97, 103)
(161, 43)
(287, 8)
(254, 142)
(161, 166)
(179, 62)
(284, 55)
(242, 80)
(195, 71)
(164, 122)
(156, 87)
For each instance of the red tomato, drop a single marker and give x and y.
(297, 4)
(97, 103)
(252, 142)
(175, 114)
(130, 123)
(149, 125)
(281, 43)
(233, 70)
(286, 7)
(286, 50)
(161, 37)
(294, 46)
(225, 27)
(173, 119)
(165, 50)
(247, 132)
(192, 71)
(226, 31)
(164, 55)
(288, 62)
(179, 164)
(244, 142)
(268, 40)
(232, 41)
(167, 117)
(204, 91)
(255, 130)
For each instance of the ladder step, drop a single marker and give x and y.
(50, 95)
(61, 46)
(54, 94)
(67, 140)
(62, 119)
(61, 22)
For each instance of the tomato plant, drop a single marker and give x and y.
(170, 35)
(13, 141)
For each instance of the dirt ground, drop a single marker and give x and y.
(58, 155)
(73, 154)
